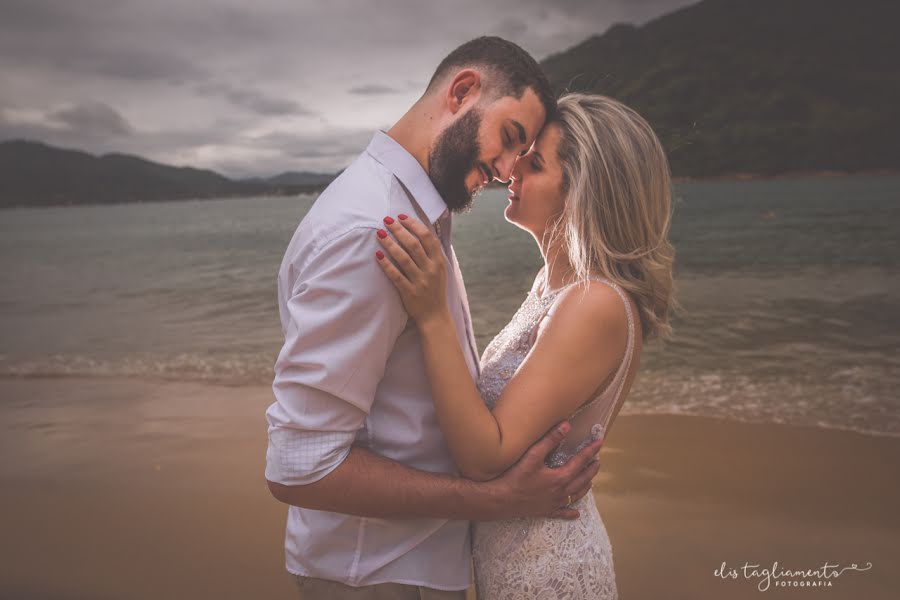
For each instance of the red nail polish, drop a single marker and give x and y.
(382, 233)
(402, 217)
(388, 220)
(379, 254)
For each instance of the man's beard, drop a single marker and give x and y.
(452, 158)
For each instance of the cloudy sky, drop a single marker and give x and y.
(252, 87)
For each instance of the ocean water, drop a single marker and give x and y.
(791, 291)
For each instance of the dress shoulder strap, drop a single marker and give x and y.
(618, 382)
(592, 418)
(629, 348)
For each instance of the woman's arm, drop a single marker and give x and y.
(577, 350)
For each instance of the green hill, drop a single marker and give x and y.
(36, 174)
(755, 86)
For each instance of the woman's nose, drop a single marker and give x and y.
(515, 174)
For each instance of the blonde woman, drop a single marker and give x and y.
(594, 191)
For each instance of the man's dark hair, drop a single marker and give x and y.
(513, 69)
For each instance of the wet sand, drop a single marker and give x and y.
(119, 488)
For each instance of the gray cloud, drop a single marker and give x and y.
(253, 100)
(372, 89)
(338, 146)
(94, 119)
(137, 66)
(511, 28)
(252, 88)
(85, 123)
(93, 37)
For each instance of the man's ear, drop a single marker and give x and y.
(465, 89)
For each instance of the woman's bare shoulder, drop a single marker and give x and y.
(588, 316)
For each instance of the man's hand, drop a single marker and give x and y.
(532, 489)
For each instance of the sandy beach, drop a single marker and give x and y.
(125, 488)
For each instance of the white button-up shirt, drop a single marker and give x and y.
(351, 371)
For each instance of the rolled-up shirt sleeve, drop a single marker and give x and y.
(341, 318)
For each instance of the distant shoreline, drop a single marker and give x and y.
(734, 177)
(304, 192)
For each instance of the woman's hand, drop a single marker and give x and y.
(420, 273)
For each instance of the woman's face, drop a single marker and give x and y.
(535, 197)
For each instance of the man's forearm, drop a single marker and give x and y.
(369, 485)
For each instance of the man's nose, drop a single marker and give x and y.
(505, 166)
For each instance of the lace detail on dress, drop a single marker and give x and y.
(520, 559)
(534, 557)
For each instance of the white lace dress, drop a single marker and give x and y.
(538, 558)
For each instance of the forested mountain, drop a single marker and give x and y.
(755, 86)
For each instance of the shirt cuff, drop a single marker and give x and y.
(300, 457)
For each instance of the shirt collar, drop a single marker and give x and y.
(407, 169)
